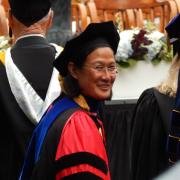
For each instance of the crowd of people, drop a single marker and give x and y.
(51, 99)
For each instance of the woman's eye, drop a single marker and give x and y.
(112, 68)
(99, 68)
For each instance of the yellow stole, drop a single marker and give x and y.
(2, 56)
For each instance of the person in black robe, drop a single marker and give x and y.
(151, 121)
(27, 78)
(69, 142)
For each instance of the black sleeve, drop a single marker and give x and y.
(148, 140)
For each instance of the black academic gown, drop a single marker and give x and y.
(33, 56)
(149, 134)
(73, 147)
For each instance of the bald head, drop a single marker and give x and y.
(40, 27)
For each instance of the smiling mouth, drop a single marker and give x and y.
(105, 87)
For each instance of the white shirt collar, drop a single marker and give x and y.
(29, 35)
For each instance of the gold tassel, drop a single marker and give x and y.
(82, 102)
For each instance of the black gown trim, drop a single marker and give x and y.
(81, 158)
(82, 176)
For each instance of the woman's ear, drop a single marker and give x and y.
(73, 70)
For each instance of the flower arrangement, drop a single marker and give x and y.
(146, 44)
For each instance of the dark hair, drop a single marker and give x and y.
(71, 85)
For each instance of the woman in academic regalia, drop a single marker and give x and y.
(69, 142)
(151, 121)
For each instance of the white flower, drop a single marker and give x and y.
(124, 50)
(155, 35)
(156, 45)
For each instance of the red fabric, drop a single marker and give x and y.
(80, 134)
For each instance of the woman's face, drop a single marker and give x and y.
(97, 75)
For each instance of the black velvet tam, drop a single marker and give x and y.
(174, 34)
(29, 11)
(95, 35)
(173, 29)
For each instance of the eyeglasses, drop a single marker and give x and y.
(99, 68)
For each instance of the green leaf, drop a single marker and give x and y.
(156, 61)
(132, 62)
(123, 64)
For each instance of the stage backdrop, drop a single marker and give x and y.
(131, 82)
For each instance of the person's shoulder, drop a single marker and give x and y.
(146, 105)
(147, 96)
(81, 117)
(80, 121)
(149, 91)
(58, 49)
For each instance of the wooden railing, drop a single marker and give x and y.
(83, 13)
(177, 3)
(129, 14)
(79, 16)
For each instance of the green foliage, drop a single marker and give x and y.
(150, 26)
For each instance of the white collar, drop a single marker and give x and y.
(29, 35)
(27, 98)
